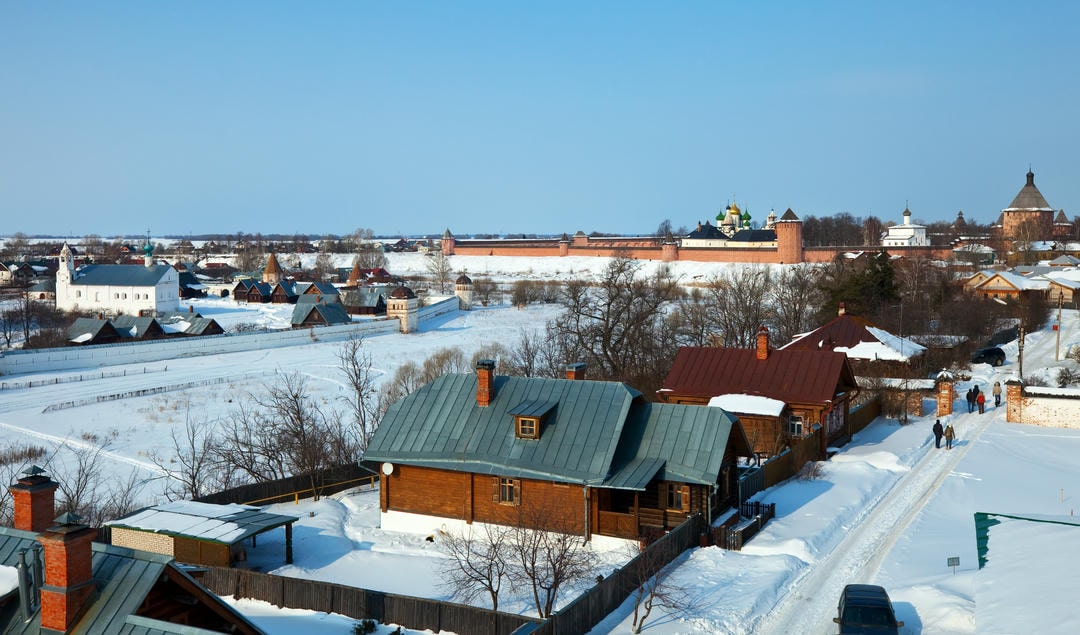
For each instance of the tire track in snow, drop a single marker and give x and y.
(84, 445)
(810, 601)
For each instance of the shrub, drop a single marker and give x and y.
(811, 471)
(363, 627)
(1067, 377)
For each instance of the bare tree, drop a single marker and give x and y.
(286, 432)
(618, 326)
(10, 321)
(652, 588)
(478, 564)
(193, 466)
(546, 556)
(438, 265)
(794, 299)
(738, 304)
(356, 363)
(485, 291)
(536, 353)
(323, 268)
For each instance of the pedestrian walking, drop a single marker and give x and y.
(950, 434)
(938, 433)
(981, 400)
(971, 400)
(997, 393)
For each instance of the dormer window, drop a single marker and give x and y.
(530, 418)
(528, 427)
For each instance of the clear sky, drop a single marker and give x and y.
(546, 117)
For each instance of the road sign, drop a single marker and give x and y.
(953, 561)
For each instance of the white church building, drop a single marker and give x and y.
(117, 289)
(905, 235)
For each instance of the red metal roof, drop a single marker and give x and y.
(845, 330)
(790, 376)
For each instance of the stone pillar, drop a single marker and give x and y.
(946, 393)
(463, 291)
(669, 252)
(1014, 401)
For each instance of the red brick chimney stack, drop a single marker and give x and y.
(485, 381)
(34, 497)
(575, 371)
(763, 343)
(69, 577)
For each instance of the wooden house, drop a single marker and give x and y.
(131, 327)
(259, 292)
(284, 292)
(369, 300)
(95, 589)
(85, 331)
(573, 455)
(240, 289)
(199, 533)
(311, 311)
(871, 350)
(1007, 285)
(817, 386)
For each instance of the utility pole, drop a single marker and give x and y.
(1057, 328)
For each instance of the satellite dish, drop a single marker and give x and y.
(388, 468)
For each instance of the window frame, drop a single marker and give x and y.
(506, 490)
(521, 428)
(796, 425)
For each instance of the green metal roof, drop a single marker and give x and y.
(594, 432)
(123, 578)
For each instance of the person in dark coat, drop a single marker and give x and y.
(938, 432)
(971, 400)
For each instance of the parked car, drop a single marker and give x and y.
(989, 355)
(866, 609)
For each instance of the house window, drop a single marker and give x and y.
(528, 428)
(677, 496)
(795, 426)
(507, 491)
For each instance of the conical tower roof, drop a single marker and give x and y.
(1029, 198)
(272, 272)
(354, 275)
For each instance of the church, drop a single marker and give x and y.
(117, 289)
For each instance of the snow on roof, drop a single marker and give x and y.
(9, 579)
(82, 337)
(175, 327)
(1053, 391)
(887, 347)
(220, 523)
(748, 404)
(1016, 548)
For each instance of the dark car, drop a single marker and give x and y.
(865, 609)
(990, 355)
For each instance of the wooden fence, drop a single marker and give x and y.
(578, 616)
(783, 466)
(330, 481)
(609, 593)
(357, 603)
(735, 536)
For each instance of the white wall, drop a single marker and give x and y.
(1054, 412)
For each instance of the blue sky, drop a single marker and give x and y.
(526, 117)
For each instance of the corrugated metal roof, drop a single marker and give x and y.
(332, 313)
(533, 408)
(226, 524)
(121, 275)
(788, 375)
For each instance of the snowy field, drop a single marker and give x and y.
(890, 509)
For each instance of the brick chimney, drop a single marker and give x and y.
(763, 343)
(575, 371)
(34, 497)
(485, 381)
(69, 577)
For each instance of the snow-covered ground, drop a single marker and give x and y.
(889, 508)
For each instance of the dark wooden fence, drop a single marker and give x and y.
(354, 602)
(333, 479)
(735, 536)
(598, 602)
(859, 418)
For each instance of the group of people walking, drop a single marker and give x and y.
(977, 399)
